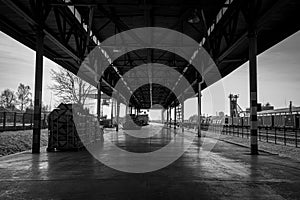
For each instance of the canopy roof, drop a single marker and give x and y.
(74, 27)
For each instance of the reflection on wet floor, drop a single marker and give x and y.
(225, 172)
(159, 137)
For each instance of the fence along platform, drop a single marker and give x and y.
(15, 121)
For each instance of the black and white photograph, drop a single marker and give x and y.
(150, 99)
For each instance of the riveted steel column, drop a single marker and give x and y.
(38, 91)
(199, 109)
(253, 89)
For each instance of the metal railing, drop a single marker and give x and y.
(14, 121)
(278, 135)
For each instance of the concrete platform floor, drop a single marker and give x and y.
(227, 172)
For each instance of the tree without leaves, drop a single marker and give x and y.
(69, 88)
(8, 99)
(23, 95)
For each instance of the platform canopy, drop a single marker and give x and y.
(73, 28)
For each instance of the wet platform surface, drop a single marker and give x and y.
(227, 172)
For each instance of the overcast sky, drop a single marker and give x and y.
(278, 76)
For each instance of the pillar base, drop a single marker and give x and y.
(254, 150)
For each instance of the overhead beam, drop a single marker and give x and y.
(20, 12)
(204, 22)
(119, 23)
(232, 60)
(61, 46)
(232, 47)
(184, 15)
(89, 28)
(243, 37)
(34, 23)
(140, 6)
(131, 62)
(102, 80)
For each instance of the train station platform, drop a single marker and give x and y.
(227, 172)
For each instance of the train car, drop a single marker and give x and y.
(268, 121)
(260, 121)
(246, 121)
(237, 121)
(290, 121)
(279, 121)
(230, 122)
(241, 123)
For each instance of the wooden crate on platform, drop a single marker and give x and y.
(63, 135)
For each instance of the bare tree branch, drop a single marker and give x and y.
(69, 88)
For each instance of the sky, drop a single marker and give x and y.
(278, 77)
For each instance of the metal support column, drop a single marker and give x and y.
(118, 115)
(253, 89)
(170, 117)
(174, 117)
(112, 112)
(199, 109)
(182, 115)
(99, 101)
(38, 91)
(167, 116)
(252, 38)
